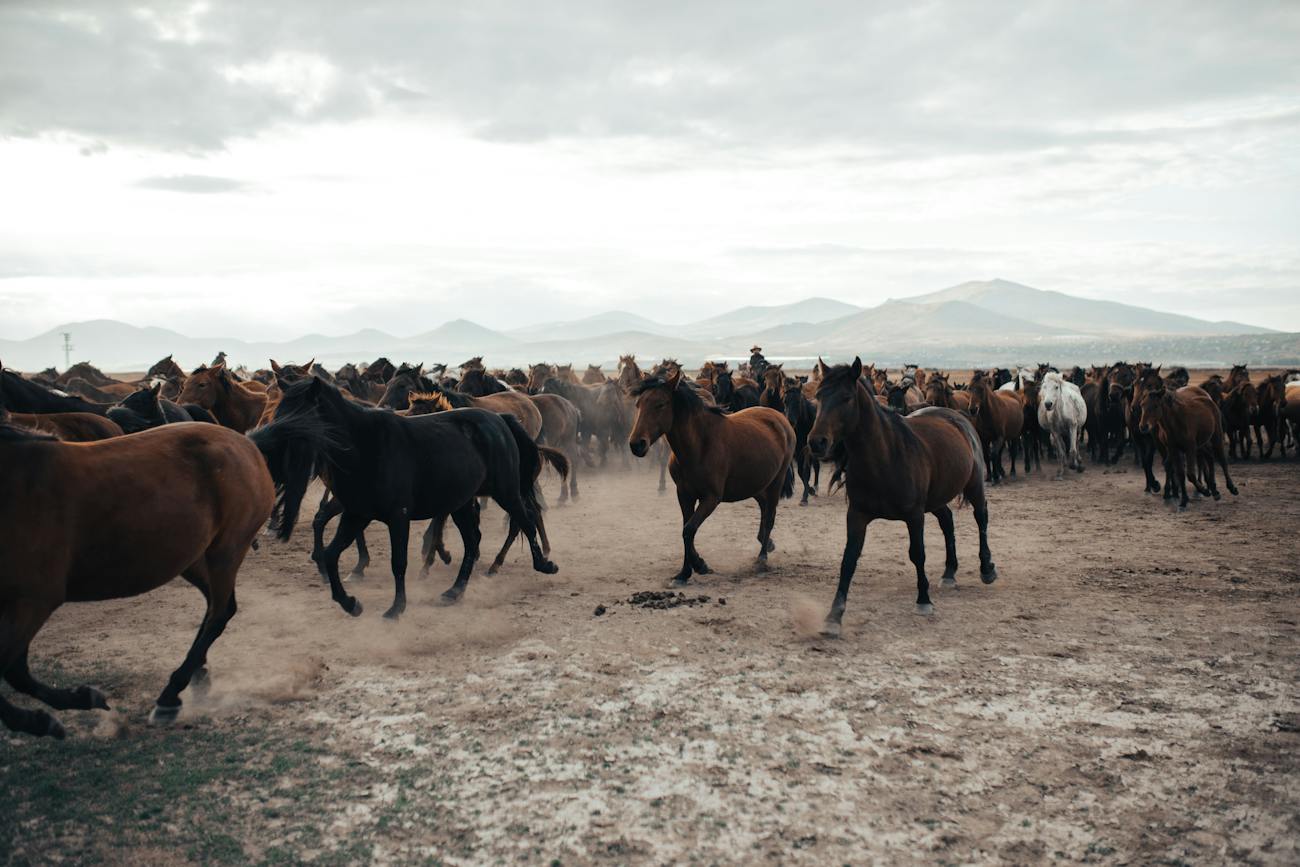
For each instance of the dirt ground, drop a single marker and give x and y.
(1126, 692)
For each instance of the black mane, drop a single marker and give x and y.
(685, 397)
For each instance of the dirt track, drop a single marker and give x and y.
(1126, 692)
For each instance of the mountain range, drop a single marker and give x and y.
(979, 322)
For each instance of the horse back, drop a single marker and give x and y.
(122, 516)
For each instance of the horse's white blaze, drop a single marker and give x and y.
(1062, 412)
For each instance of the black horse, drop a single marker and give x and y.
(405, 380)
(801, 413)
(731, 397)
(144, 409)
(396, 469)
(478, 383)
(23, 395)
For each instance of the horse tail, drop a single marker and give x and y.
(294, 446)
(530, 465)
(558, 460)
(787, 489)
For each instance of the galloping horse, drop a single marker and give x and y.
(716, 458)
(898, 468)
(390, 468)
(106, 520)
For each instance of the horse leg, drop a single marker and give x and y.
(1217, 448)
(1148, 460)
(575, 458)
(767, 504)
(81, 698)
(215, 576)
(980, 505)
(687, 502)
(690, 556)
(328, 509)
(466, 520)
(20, 620)
(363, 558)
(663, 465)
(513, 505)
(510, 540)
(916, 553)
(350, 526)
(946, 524)
(432, 545)
(805, 470)
(399, 532)
(855, 537)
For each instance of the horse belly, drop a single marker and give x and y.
(124, 563)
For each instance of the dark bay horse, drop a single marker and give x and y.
(396, 469)
(1189, 425)
(801, 413)
(899, 468)
(716, 458)
(117, 518)
(23, 395)
(146, 408)
(999, 419)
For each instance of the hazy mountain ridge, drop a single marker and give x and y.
(994, 319)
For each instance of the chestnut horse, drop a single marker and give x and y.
(232, 403)
(716, 458)
(898, 468)
(107, 520)
(999, 419)
(1190, 426)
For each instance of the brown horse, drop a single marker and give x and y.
(233, 404)
(70, 427)
(537, 376)
(593, 375)
(560, 420)
(716, 458)
(110, 393)
(513, 403)
(898, 468)
(1267, 418)
(1190, 426)
(999, 419)
(1240, 408)
(92, 521)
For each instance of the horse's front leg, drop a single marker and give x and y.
(916, 553)
(856, 537)
(690, 556)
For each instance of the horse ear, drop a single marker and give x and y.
(857, 367)
(310, 364)
(275, 365)
(218, 368)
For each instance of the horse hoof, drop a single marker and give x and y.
(702, 568)
(450, 597)
(493, 569)
(760, 565)
(546, 567)
(357, 575)
(1217, 496)
(830, 629)
(1232, 489)
(53, 729)
(92, 698)
(163, 715)
(924, 608)
(394, 612)
(949, 581)
(989, 575)
(355, 609)
(803, 502)
(771, 546)
(445, 557)
(679, 582)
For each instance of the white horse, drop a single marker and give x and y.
(1062, 412)
(1018, 381)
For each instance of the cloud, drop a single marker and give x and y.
(934, 77)
(193, 184)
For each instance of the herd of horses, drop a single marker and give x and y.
(109, 489)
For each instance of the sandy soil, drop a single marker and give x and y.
(1126, 692)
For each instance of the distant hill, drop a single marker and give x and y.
(1084, 315)
(973, 323)
(748, 320)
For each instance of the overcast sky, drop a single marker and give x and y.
(266, 169)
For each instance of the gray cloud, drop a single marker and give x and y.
(934, 77)
(193, 184)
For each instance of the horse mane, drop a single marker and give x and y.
(10, 432)
(685, 397)
(438, 398)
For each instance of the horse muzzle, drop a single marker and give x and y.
(1047, 405)
(639, 447)
(819, 447)
(1144, 428)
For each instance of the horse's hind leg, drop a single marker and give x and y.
(399, 532)
(916, 553)
(466, 520)
(501, 555)
(766, 520)
(19, 622)
(363, 558)
(329, 508)
(692, 559)
(1217, 447)
(946, 524)
(215, 575)
(979, 504)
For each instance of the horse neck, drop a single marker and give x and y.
(689, 431)
(872, 438)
